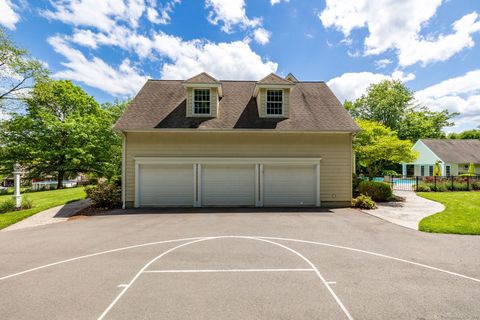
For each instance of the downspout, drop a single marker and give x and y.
(124, 152)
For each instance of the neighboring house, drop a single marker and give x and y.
(204, 142)
(454, 157)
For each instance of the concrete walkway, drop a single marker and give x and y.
(52, 215)
(408, 213)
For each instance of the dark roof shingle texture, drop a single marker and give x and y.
(455, 151)
(272, 78)
(202, 78)
(162, 105)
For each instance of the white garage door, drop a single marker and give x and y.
(289, 185)
(166, 185)
(228, 185)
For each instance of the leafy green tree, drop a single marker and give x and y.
(392, 104)
(18, 71)
(468, 134)
(422, 123)
(385, 102)
(378, 146)
(63, 132)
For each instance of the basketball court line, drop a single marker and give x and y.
(258, 237)
(144, 268)
(228, 270)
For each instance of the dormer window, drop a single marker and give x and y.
(274, 102)
(201, 102)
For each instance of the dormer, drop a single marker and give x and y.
(273, 96)
(203, 93)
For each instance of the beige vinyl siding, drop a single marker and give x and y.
(333, 148)
(262, 102)
(213, 103)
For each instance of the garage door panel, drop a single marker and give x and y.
(166, 185)
(289, 185)
(228, 185)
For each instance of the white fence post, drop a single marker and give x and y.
(17, 170)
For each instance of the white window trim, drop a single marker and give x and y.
(193, 103)
(282, 115)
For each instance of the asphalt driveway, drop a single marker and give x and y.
(237, 264)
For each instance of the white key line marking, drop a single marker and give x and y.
(123, 285)
(331, 282)
(337, 299)
(228, 270)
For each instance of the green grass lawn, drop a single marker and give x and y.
(41, 201)
(461, 215)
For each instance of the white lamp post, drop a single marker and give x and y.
(17, 170)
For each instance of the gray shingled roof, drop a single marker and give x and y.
(202, 78)
(272, 78)
(455, 151)
(161, 104)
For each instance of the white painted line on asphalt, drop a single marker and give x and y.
(123, 285)
(217, 237)
(141, 271)
(94, 255)
(331, 282)
(337, 299)
(377, 255)
(227, 270)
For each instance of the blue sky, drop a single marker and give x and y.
(110, 47)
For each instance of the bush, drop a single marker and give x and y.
(7, 206)
(105, 195)
(391, 173)
(355, 183)
(378, 191)
(476, 185)
(423, 187)
(27, 203)
(363, 202)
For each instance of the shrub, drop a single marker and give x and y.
(476, 185)
(457, 186)
(7, 206)
(391, 173)
(378, 191)
(105, 195)
(363, 202)
(423, 187)
(27, 203)
(3, 191)
(355, 183)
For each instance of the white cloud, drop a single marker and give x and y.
(124, 81)
(397, 25)
(274, 2)
(231, 13)
(165, 10)
(106, 14)
(233, 60)
(262, 36)
(351, 86)
(182, 59)
(459, 94)
(8, 16)
(469, 83)
(382, 63)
